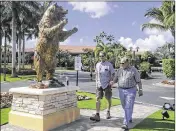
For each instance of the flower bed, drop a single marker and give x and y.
(168, 82)
(80, 97)
(6, 99)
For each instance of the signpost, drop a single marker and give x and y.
(78, 66)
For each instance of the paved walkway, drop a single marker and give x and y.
(84, 124)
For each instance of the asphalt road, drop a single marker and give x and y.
(152, 94)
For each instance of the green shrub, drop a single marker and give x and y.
(145, 66)
(169, 67)
(27, 72)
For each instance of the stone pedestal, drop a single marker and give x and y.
(43, 109)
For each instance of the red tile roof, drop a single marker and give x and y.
(69, 48)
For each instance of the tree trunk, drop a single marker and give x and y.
(23, 54)
(13, 42)
(19, 51)
(0, 40)
(133, 58)
(5, 56)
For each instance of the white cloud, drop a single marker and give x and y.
(81, 40)
(167, 35)
(134, 22)
(153, 31)
(155, 38)
(94, 9)
(127, 42)
(148, 44)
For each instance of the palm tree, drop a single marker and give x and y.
(165, 15)
(165, 51)
(5, 30)
(16, 8)
(102, 47)
(104, 43)
(118, 52)
(168, 9)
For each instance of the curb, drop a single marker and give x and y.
(164, 85)
(4, 124)
(137, 102)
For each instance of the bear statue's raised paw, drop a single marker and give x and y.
(75, 30)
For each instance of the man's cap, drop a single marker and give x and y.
(124, 60)
(102, 53)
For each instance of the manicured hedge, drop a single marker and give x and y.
(169, 67)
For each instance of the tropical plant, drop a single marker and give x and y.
(15, 9)
(146, 55)
(145, 66)
(5, 30)
(88, 58)
(169, 67)
(119, 51)
(113, 50)
(103, 42)
(64, 59)
(165, 16)
(165, 51)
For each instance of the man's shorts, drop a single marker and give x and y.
(100, 92)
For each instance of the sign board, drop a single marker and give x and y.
(78, 63)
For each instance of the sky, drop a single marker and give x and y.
(123, 20)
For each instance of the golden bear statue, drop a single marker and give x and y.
(50, 34)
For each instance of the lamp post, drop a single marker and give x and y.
(5, 52)
(90, 59)
(134, 49)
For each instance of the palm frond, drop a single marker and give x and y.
(155, 13)
(169, 20)
(153, 25)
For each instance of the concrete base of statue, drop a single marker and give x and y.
(43, 109)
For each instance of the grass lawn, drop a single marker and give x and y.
(90, 104)
(19, 78)
(154, 122)
(85, 104)
(4, 115)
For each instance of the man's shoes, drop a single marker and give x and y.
(108, 116)
(124, 127)
(130, 121)
(95, 117)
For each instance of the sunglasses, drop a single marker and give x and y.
(122, 63)
(101, 56)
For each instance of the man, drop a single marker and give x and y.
(127, 77)
(104, 74)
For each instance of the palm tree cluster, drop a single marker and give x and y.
(114, 50)
(164, 15)
(19, 20)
